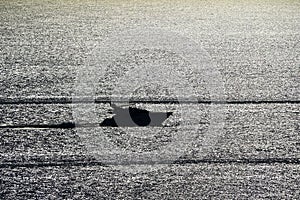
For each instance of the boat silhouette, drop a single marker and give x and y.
(132, 117)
